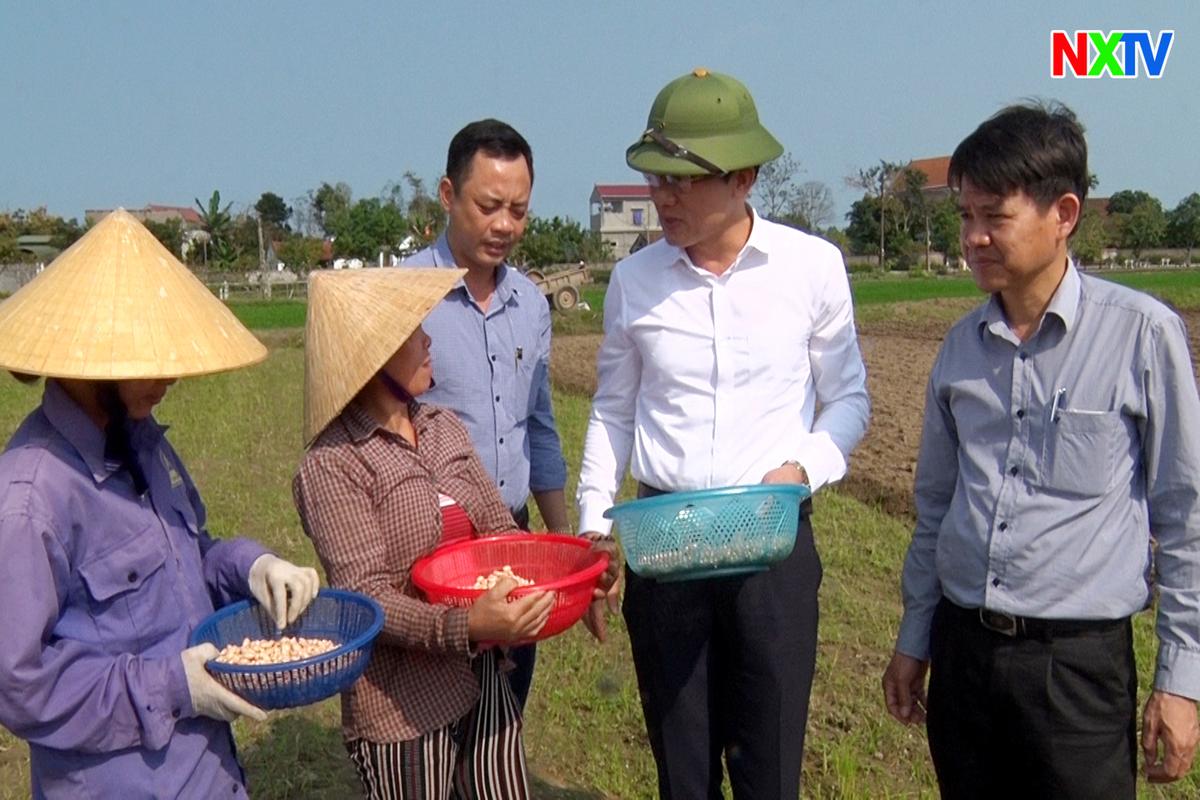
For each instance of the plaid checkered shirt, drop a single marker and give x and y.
(369, 502)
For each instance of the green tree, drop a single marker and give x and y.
(865, 231)
(945, 230)
(169, 233)
(1089, 239)
(328, 204)
(365, 228)
(1183, 224)
(273, 211)
(1126, 200)
(558, 241)
(877, 181)
(300, 252)
(1143, 227)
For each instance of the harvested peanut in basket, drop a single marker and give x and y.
(256, 652)
(488, 581)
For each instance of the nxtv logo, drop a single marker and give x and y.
(1092, 54)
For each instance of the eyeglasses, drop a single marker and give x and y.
(677, 183)
(679, 151)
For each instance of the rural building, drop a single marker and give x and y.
(624, 216)
(188, 216)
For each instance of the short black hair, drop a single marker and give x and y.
(491, 137)
(1036, 147)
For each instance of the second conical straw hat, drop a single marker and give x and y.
(117, 305)
(357, 320)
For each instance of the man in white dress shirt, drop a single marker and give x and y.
(729, 357)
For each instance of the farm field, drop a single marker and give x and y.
(240, 436)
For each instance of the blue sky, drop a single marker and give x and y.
(128, 103)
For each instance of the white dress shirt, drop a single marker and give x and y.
(713, 380)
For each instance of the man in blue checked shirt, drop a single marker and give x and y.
(491, 335)
(1056, 494)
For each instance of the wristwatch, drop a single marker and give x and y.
(791, 462)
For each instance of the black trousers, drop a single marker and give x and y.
(724, 666)
(524, 658)
(1049, 713)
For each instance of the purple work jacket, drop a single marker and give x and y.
(99, 588)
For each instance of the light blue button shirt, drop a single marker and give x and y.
(1046, 467)
(493, 370)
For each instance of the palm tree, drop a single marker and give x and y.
(218, 224)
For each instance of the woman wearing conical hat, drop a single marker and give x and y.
(105, 563)
(386, 479)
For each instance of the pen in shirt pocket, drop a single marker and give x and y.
(1060, 399)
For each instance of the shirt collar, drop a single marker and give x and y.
(360, 425)
(1064, 304)
(74, 425)
(759, 242)
(443, 257)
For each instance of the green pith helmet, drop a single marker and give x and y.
(703, 123)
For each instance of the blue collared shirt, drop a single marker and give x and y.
(1046, 466)
(99, 589)
(493, 371)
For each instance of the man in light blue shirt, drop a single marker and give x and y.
(1061, 434)
(491, 335)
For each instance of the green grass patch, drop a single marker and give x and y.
(270, 314)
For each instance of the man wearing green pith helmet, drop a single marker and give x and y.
(729, 358)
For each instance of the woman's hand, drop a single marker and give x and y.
(492, 618)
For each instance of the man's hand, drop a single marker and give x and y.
(608, 588)
(283, 588)
(1170, 720)
(904, 688)
(790, 472)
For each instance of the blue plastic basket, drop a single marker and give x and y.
(349, 619)
(708, 533)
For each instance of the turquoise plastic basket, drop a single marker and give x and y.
(708, 533)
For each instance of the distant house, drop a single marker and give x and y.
(624, 216)
(936, 171)
(188, 216)
(37, 247)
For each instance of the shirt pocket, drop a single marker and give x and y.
(131, 603)
(1080, 452)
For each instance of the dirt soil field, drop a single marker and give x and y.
(899, 353)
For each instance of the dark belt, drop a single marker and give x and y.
(1030, 627)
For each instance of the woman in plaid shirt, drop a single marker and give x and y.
(432, 715)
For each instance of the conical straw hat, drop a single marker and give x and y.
(117, 305)
(357, 320)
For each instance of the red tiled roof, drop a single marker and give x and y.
(935, 169)
(623, 190)
(187, 213)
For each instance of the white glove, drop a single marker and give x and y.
(209, 698)
(284, 589)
